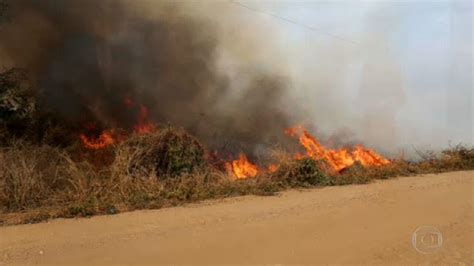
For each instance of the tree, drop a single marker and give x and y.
(17, 103)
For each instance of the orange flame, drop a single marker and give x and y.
(272, 168)
(143, 126)
(105, 139)
(368, 157)
(241, 168)
(337, 159)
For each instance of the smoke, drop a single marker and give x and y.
(391, 76)
(90, 56)
(236, 77)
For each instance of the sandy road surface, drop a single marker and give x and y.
(352, 224)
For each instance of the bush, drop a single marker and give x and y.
(354, 174)
(176, 152)
(304, 172)
(454, 158)
(458, 157)
(17, 104)
(166, 153)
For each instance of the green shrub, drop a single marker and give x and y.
(167, 153)
(177, 152)
(305, 172)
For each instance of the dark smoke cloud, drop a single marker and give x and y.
(88, 56)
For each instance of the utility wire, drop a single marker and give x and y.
(294, 22)
(308, 27)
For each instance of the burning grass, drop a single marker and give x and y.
(167, 167)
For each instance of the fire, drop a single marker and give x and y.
(272, 168)
(105, 139)
(143, 126)
(368, 157)
(298, 156)
(241, 168)
(337, 159)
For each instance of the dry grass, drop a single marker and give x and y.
(33, 176)
(42, 182)
(44, 178)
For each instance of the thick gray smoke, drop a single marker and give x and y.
(236, 77)
(92, 59)
(387, 74)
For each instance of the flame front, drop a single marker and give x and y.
(337, 159)
(368, 157)
(143, 126)
(241, 168)
(105, 139)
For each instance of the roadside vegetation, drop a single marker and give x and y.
(165, 168)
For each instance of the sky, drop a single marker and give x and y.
(395, 73)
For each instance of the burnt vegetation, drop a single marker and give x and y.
(46, 172)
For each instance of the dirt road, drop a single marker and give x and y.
(371, 223)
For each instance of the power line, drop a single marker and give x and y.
(294, 22)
